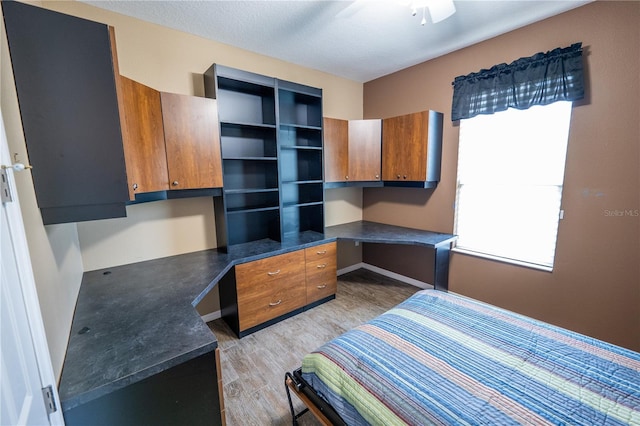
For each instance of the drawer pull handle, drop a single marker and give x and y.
(321, 286)
(273, 273)
(324, 265)
(275, 303)
(321, 252)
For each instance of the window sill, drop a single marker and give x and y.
(502, 259)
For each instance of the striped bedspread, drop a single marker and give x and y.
(438, 358)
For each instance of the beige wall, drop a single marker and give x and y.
(595, 285)
(344, 205)
(170, 61)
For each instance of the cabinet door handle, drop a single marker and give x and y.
(397, 176)
(321, 286)
(135, 186)
(346, 177)
(324, 265)
(273, 273)
(377, 176)
(404, 177)
(321, 252)
(174, 183)
(275, 303)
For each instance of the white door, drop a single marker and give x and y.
(25, 366)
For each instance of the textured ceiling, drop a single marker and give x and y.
(359, 40)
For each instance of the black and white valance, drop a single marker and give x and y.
(541, 79)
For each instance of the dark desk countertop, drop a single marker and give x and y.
(373, 232)
(136, 320)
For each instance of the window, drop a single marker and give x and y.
(510, 177)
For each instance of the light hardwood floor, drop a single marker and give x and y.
(253, 368)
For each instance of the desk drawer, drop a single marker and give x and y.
(321, 285)
(321, 252)
(270, 287)
(321, 271)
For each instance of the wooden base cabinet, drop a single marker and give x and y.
(269, 288)
(321, 272)
(257, 294)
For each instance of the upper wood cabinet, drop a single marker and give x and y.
(364, 150)
(65, 81)
(336, 149)
(192, 139)
(143, 136)
(412, 149)
(352, 150)
(171, 142)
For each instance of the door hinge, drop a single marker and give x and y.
(49, 400)
(5, 190)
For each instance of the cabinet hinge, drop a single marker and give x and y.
(49, 400)
(5, 190)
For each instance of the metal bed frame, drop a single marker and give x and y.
(314, 403)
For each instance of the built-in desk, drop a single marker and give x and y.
(373, 232)
(136, 323)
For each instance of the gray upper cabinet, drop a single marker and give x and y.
(64, 74)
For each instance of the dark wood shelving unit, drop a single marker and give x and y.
(300, 153)
(249, 207)
(271, 142)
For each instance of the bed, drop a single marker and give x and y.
(440, 358)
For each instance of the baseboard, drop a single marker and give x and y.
(417, 283)
(386, 273)
(352, 268)
(211, 316)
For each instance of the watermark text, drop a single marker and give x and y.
(622, 213)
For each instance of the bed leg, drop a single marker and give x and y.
(289, 378)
